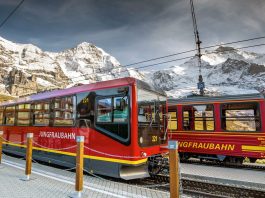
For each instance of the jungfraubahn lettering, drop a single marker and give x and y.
(208, 146)
(60, 135)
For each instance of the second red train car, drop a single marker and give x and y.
(225, 128)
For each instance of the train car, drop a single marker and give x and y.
(225, 128)
(122, 120)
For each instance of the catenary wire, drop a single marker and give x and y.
(192, 50)
(11, 13)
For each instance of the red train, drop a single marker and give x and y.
(227, 128)
(122, 120)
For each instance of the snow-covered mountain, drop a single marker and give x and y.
(226, 71)
(25, 69)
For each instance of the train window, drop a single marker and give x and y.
(10, 115)
(241, 117)
(41, 113)
(63, 111)
(112, 115)
(120, 110)
(173, 124)
(1, 115)
(198, 117)
(23, 115)
(104, 110)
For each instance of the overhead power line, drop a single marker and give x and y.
(192, 50)
(11, 13)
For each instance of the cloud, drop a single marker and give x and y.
(134, 30)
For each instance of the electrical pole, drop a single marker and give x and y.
(200, 84)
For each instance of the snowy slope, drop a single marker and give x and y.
(225, 71)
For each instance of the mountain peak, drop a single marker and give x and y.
(225, 49)
(84, 44)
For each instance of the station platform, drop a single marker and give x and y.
(52, 182)
(243, 178)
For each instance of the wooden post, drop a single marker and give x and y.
(173, 169)
(29, 155)
(79, 167)
(1, 145)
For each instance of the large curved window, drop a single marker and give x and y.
(112, 115)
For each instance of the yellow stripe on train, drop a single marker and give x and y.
(253, 148)
(85, 156)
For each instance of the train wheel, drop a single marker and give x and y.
(239, 160)
(184, 156)
(154, 165)
(234, 160)
(252, 160)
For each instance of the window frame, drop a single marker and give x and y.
(23, 110)
(222, 120)
(44, 101)
(204, 130)
(54, 110)
(175, 110)
(2, 110)
(4, 120)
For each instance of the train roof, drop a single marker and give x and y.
(199, 99)
(82, 88)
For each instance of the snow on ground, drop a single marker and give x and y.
(44, 83)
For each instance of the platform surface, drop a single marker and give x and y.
(251, 179)
(52, 182)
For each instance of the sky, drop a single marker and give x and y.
(132, 30)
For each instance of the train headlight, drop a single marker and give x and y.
(141, 140)
(143, 154)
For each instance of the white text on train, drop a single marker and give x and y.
(60, 135)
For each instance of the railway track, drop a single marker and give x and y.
(247, 166)
(205, 189)
(200, 188)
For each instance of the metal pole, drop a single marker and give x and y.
(29, 155)
(1, 145)
(79, 167)
(173, 169)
